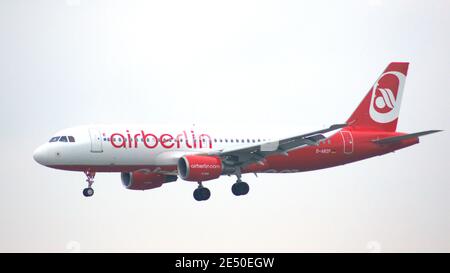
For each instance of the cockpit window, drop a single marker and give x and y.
(62, 139)
(54, 139)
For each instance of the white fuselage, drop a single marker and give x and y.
(132, 147)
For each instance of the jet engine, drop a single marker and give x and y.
(139, 180)
(199, 168)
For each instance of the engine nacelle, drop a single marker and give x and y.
(198, 168)
(145, 181)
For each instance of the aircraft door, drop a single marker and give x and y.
(347, 140)
(96, 141)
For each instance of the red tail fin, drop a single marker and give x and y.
(379, 109)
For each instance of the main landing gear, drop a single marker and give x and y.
(240, 187)
(89, 191)
(201, 193)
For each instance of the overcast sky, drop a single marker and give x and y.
(276, 65)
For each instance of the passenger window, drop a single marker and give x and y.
(71, 139)
(63, 139)
(54, 139)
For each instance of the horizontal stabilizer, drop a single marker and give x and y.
(390, 140)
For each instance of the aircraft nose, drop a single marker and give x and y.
(40, 155)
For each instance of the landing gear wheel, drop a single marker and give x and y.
(240, 188)
(88, 192)
(202, 194)
(197, 196)
(205, 193)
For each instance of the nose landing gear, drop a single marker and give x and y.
(89, 191)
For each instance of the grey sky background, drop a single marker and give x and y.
(284, 66)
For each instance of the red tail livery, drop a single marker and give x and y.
(380, 108)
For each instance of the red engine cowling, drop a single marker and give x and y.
(145, 181)
(199, 168)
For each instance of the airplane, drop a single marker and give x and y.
(148, 157)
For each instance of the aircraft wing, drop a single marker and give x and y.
(243, 156)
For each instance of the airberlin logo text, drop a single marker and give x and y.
(167, 141)
(205, 166)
